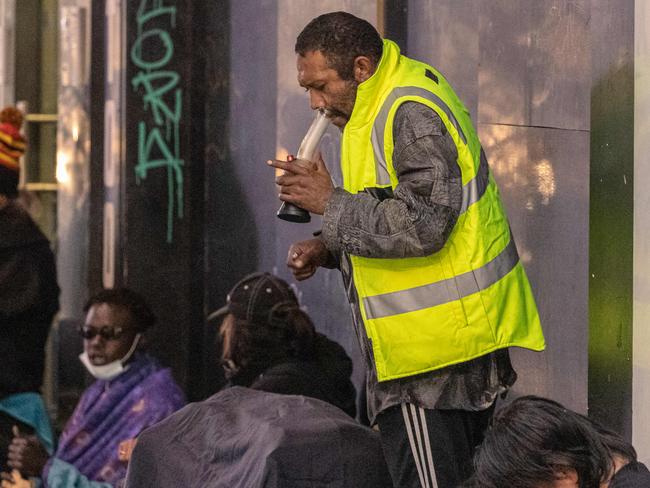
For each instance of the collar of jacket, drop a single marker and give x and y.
(372, 91)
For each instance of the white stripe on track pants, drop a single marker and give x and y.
(430, 448)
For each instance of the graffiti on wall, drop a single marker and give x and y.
(162, 98)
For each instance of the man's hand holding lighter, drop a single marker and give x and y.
(304, 183)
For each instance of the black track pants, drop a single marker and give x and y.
(430, 448)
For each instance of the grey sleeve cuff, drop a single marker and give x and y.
(331, 218)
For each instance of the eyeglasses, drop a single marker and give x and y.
(108, 333)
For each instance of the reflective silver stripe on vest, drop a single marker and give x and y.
(378, 129)
(434, 294)
(474, 189)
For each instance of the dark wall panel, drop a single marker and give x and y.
(611, 214)
(164, 173)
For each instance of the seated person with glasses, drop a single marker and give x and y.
(131, 392)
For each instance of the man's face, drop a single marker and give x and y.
(232, 370)
(226, 332)
(326, 88)
(114, 321)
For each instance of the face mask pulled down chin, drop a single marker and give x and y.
(113, 369)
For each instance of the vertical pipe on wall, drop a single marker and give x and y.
(73, 156)
(113, 137)
(7, 51)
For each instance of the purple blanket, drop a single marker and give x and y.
(111, 412)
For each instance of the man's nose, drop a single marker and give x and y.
(316, 101)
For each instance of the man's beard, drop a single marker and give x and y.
(345, 106)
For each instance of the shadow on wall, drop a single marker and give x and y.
(323, 295)
(231, 248)
(534, 64)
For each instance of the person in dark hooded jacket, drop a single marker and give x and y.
(270, 344)
(29, 299)
(284, 422)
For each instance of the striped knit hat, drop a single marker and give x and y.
(12, 147)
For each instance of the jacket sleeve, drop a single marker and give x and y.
(59, 474)
(28, 288)
(422, 211)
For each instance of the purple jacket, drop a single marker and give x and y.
(114, 411)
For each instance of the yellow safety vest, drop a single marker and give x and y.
(471, 297)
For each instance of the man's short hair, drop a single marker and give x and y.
(341, 37)
(141, 315)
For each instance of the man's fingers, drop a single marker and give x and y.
(287, 197)
(298, 260)
(4, 476)
(16, 431)
(296, 263)
(287, 180)
(15, 448)
(14, 455)
(294, 253)
(286, 166)
(304, 274)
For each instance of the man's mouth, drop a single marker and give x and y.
(334, 114)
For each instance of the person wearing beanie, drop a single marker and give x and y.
(29, 299)
(12, 147)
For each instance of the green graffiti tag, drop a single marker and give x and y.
(159, 144)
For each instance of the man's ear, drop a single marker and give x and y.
(363, 68)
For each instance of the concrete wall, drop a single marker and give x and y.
(523, 70)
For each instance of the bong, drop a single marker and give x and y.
(307, 151)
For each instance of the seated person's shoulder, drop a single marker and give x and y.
(161, 392)
(632, 475)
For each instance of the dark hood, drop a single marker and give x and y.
(17, 228)
(326, 377)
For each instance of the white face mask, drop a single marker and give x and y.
(111, 370)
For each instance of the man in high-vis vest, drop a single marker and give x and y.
(418, 230)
